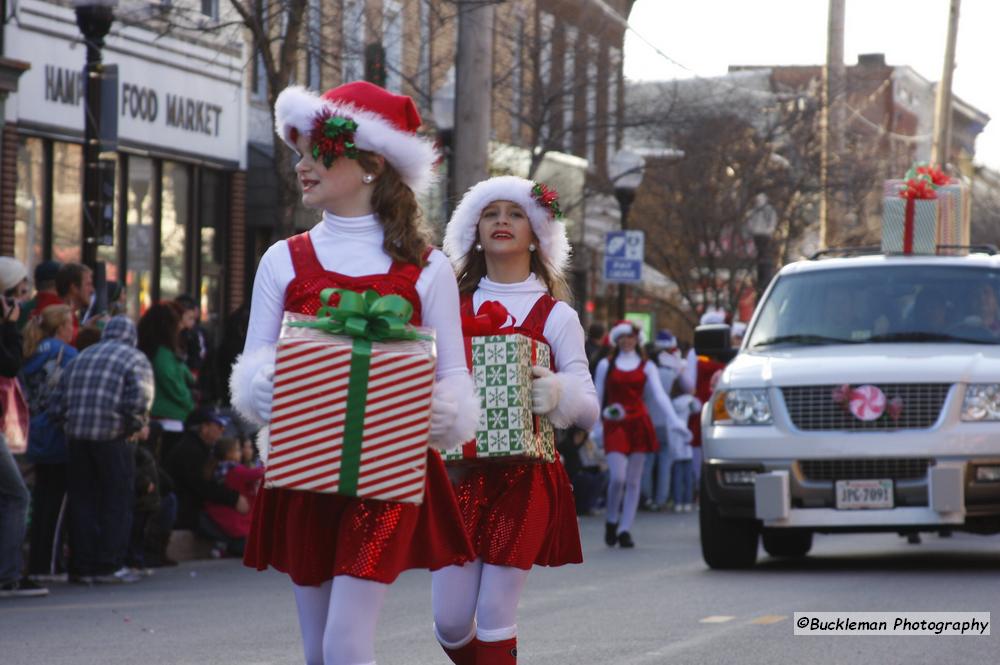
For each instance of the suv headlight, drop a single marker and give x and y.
(747, 406)
(982, 402)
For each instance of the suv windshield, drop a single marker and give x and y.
(881, 304)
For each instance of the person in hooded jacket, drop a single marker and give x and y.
(103, 401)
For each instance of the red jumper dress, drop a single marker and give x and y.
(313, 536)
(634, 433)
(519, 514)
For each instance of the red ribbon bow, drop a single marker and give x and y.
(918, 188)
(490, 320)
(937, 176)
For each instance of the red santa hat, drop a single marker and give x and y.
(540, 203)
(386, 125)
(625, 328)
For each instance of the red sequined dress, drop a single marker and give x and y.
(519, 515)
(634, 433)
(313, 536)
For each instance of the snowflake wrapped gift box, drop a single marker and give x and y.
(352, 399)
(508, 430)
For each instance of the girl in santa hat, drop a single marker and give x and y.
(510, 251)
(361, 162)
(628, 432)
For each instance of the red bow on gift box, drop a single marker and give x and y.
(937, 176)
(489, 321)
(921, 187)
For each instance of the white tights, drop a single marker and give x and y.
(625, 477)
(476, 600)
(338, 618)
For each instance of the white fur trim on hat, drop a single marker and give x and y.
(412, 155)
(461, 232)
(625, 328)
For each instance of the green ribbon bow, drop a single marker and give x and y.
(365, 317)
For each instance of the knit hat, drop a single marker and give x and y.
(12, 272)
(625, 328)
(665, 340)
(540, 203)
(46, 271)
(380, 122)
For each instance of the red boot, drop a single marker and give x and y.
(503, 652)
(463, 655)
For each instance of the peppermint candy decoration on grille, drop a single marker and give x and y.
(867, 403)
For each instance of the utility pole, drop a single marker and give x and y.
(941, 147)
(832, 144)
(473, 94)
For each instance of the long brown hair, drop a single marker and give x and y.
(472, 267)
(45, 325)
(406, 235)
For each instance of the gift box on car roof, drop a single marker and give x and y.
(507, 430)
(926, 210)
(352, 399)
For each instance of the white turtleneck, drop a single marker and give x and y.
(563, 332)
(627, 361)
(353, 246)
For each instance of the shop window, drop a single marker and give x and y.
(139, 227)
(67, 206)
(212, 221)
(29, 215)
(174, 217)
(109, 253)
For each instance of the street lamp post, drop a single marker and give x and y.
(626, 171)
(94, 18)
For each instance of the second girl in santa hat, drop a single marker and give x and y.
(510, 248)
(361, 162)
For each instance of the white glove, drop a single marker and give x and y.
(262, 391)
(443, 415)
(683, 434)
(597, 434)
(545, 391)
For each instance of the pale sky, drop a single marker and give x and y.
(708, 35)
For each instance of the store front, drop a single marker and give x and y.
(178, 223)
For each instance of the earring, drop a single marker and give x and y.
(367, 178)
(532, 247)
(479, 247)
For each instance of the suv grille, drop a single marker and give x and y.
(812, 407)
(862, 469)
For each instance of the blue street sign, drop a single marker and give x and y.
(623, 256)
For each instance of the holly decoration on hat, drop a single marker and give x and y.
(332, 136)
(547, 198)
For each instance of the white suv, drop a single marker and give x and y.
(865, 397)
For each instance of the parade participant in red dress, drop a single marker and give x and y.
(510, 251)
(622, 380)
(360, 161)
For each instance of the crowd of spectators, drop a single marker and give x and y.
(112, 432)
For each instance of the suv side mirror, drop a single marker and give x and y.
(713, 340)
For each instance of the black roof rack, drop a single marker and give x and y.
(869, 250)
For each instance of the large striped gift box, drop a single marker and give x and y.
(350, 416)
(507, 430)
(952, 211)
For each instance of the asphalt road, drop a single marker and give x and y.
(655, 604)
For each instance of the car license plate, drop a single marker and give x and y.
(860, 494)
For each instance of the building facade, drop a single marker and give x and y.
(180, 161)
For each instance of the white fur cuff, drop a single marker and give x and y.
(244, 369)
(576, 405)
(263, 444)
(460, 390)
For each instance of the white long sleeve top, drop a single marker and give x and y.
(563, 332)
(353, 246)
(627, 362)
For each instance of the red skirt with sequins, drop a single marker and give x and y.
(632, 435)
(314, 537)
(519, 515)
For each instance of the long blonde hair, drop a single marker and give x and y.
(406, 235)
(45, 325)
(472, 267)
